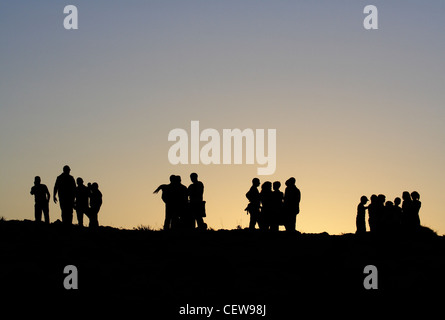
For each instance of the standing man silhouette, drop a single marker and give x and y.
(360, 220)
(175, 196)
(65, 186)
(407, 211)
(277, 203)
(266, 197)
(372, 214)
(253, 208)
(95, 204)
(41, 197)
(292, 197)
(81, 203)
(415, 205)
(196, 204)
(180, 204)
(171, 221)
(398, 213)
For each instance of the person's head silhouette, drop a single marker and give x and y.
(66, 169)
(267, 186)
(276, 185)
(290, 182)
(37, 180)
(406, 196)
(397, 201)
(194, 177)
(363, 199)
(389, 204)
(381, 199)
(255, 182)
(79, 181)
(415, 195)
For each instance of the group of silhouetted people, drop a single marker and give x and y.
(271, 208)
(184, 207)
(86, 200)
(387, 217)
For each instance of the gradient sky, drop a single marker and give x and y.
(357, 112)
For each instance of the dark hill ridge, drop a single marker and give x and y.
(162, 271)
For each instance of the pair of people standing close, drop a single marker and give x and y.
(184, 207)
(86, 200)
(270, 209)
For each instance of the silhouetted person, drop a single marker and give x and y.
(81, 202)
(95, 204)
(277, 207)
(266, 198)
(196, 204)
(253, 208)
(175, 197)
(180, 204)
(292, 197)
(416, 204)
(389, 220)
(407, 211)
(381, 213)
(372, 214)
(360, 221)
(65, 186)
(397, 213)
(171, 221)
(41, 198)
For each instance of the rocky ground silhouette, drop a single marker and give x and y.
(158, 273)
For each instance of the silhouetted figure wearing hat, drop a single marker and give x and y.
(360, 219)
(95, 204)
(196, 204)
(65, 186)
(253, 208)
(81, 203)
(292, 197)
(41, 198)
